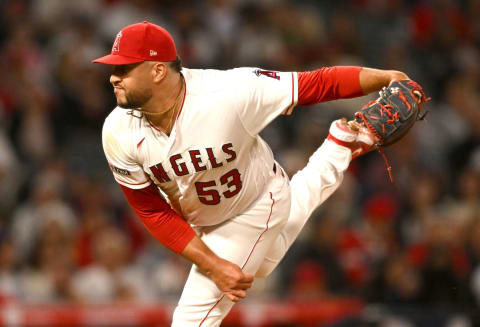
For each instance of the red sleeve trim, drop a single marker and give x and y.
(161, 221)
(292, 104)
(293, 92)
(329, 83)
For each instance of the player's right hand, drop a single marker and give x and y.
(231, 280)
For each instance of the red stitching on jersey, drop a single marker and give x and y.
(251, 251)
(140, 143)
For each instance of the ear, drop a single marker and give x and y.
(159, 71)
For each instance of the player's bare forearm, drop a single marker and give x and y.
(228, 277)
(372, 80)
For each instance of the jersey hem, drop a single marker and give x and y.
(134, 186)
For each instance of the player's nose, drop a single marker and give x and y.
(114, 79)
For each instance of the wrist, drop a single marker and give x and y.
(210, 264)
(396, 75)
(198, 253)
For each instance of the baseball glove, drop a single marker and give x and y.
(393, 113)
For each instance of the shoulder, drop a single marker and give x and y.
(115, 118)
(212, 80)
(120, 128)
(122, 122)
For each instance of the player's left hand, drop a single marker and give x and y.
(394, 112)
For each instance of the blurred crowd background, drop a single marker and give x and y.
(410, 250)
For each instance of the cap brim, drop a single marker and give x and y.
(116, 60)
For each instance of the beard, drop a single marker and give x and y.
(134, 100)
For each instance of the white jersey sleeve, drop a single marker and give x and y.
(263, 95)
(116, 146)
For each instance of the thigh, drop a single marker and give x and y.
(315, 183)
(244, 240)
(310, 187)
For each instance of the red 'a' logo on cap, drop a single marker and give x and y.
(116, 44)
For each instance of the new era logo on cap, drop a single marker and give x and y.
(137, 44)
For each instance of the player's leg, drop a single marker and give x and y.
(244, 240)
(312, 185)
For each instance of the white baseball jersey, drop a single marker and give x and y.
(213, 165)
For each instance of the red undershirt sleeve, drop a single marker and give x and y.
(162, 222)
(329, 83)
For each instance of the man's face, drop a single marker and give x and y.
(131, 85)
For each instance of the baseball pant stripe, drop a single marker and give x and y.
(250, 254)
(216, 303)
(266, 229)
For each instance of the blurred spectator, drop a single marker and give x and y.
(423, 200)
(473, 241)
(111, 277)
(313, 265)
(397, 282)
(165, 271)
(443, 265)
(464, 206)
(11, 175)
(48, 278)
(473, 248)
(363, 248)
(44, 205)
(92, 222)
(308, 282)
(9, 283)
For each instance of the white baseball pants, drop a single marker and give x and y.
(259, 238)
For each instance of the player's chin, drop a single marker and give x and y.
(120, 99)
(124, 104)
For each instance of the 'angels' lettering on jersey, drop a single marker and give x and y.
(213, 165)
(193, 161)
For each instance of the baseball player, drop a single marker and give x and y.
(183, 144)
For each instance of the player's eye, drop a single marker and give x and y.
(121, 70)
